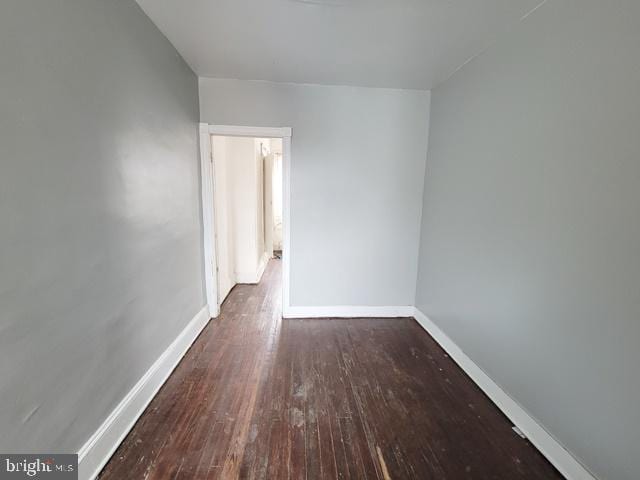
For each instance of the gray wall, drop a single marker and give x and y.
(100, 232)
(358, 157)
(530, 250)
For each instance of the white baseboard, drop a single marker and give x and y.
(246, 278)
(95, 453)
(251, 278)
(262, 266)
(559, 457)
(348, 311)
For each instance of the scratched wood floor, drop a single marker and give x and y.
(261, 397)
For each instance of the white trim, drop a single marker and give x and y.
(285, 133)
(286, 226)
(244, 278)
(95, 453)
(252, 278)
(208, 221)
(262, 266)
(242, 131)
(348, 311)
(566, 464)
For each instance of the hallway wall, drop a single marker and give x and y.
(358, 157)
(100, 230)
(530, 250)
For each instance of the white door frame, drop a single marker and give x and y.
(208, 207)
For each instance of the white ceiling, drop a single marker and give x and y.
(380, 43)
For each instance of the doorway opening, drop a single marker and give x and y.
(245, 198)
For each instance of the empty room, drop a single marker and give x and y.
(320, 239)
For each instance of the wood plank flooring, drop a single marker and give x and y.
(258, 397)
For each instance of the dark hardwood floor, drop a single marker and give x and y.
(261, 397)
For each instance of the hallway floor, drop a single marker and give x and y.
(261, 397)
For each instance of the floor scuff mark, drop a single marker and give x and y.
(383, 465)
